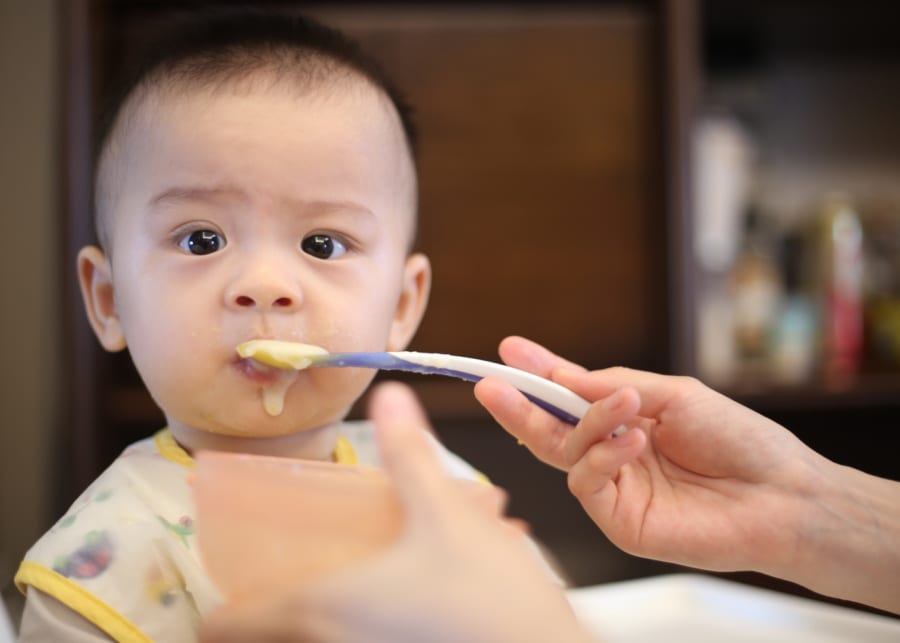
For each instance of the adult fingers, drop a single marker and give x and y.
(532, 357)
(253, 621)
(589, 478)
(489, 498)
(600, 421)
(409, 456)
(543, 434)
(656, 391)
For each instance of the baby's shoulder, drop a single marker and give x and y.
(139, 494)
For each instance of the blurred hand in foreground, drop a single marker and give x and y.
(458, 572)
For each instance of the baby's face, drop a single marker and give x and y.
(261, 215)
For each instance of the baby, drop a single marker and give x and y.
(257, 181)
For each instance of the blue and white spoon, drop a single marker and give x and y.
(552, 397)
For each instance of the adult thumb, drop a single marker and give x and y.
(409, 453)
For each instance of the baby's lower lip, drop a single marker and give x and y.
(258, 372)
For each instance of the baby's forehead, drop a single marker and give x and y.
(153, 106)
(367, 111)
(168, 93)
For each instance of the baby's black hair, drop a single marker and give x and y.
(212, 43)
(208, 46)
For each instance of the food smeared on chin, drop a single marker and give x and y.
(273, 397)
(280, 354)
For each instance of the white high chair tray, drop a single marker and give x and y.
(695, 608)
(6, 629)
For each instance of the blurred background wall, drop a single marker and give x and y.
(29, 286)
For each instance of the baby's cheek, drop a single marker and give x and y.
(344, 385)
(355, 379)
(331, 331)
(174, 365)
(340, 337)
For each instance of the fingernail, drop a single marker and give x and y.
(621, 429)
(613, 402)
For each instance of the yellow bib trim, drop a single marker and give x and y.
(171, 450)
(344, 453)
(80, 600)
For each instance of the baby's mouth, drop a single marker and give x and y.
(261, 373)
(273, 383)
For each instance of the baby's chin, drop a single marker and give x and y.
(280, 408)
(312, 437)
(262, 423)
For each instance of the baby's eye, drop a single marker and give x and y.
(323, 246)
(202, 242)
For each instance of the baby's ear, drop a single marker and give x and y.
(95, 277)
(412, 302)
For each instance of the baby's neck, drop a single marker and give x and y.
(313, 444)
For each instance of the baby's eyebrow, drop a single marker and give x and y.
(334, 207)
(224, 193)
(196, 193)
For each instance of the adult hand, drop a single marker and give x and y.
(701, 480)
(456, 573)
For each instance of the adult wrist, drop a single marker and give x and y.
(851, 539)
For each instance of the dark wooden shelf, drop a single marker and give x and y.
(863, 390)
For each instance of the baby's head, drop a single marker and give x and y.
(240, 50)
(256, 181)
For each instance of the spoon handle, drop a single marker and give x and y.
(556, 399)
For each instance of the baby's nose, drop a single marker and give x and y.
(263, 291)
(247, 301)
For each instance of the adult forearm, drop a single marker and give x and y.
(851, 545)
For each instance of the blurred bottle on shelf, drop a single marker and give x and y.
(756, 290)
(884, 320)
(794, 353)
(839, 237)
(882, 291)
(724, 155)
